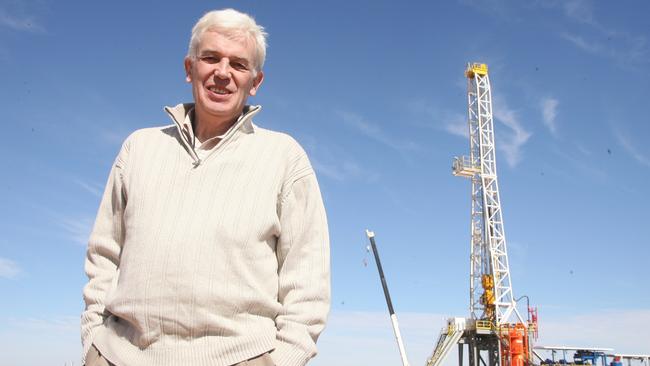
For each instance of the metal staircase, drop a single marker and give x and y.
(449, 337)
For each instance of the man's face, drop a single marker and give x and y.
(222, 76)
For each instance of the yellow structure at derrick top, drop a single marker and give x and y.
(476, 68)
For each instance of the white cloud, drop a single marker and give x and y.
(549, 112)
(92, 188)
(631, 149)
(77, 228)
(8, 268)
(588, 46)
(41, 341)
(456, 124)
(335, 162)
(115, 135)
(502, 9)
(20, 23)
(623, 48)
(374, 132)
(328, 170)
(510, 142)
(342, 171)
(355, 338)
(606, 328)
(585, 166)
(582, 149)
(59, 324)
(452, 122)
(579, 10)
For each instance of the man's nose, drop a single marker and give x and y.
(221, 68)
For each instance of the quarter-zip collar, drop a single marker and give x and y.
(183, 114)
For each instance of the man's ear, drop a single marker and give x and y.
(257, 82)
(188, 69)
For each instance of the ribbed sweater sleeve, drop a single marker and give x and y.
(104, 245)
(303, 268)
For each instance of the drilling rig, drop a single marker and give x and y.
(495, 332)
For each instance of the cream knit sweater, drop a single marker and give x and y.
(207, 262)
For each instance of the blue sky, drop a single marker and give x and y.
(375, 93)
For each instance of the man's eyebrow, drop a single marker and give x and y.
(234, 58)
(211, 52)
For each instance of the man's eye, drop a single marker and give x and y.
(239, 66)
(209, 59)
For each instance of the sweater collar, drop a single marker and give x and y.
(183, 115)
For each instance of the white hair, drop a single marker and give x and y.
(230, 23)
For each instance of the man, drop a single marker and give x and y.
(210, 245)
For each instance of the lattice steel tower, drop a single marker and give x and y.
(491, 295)
(495, 334)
